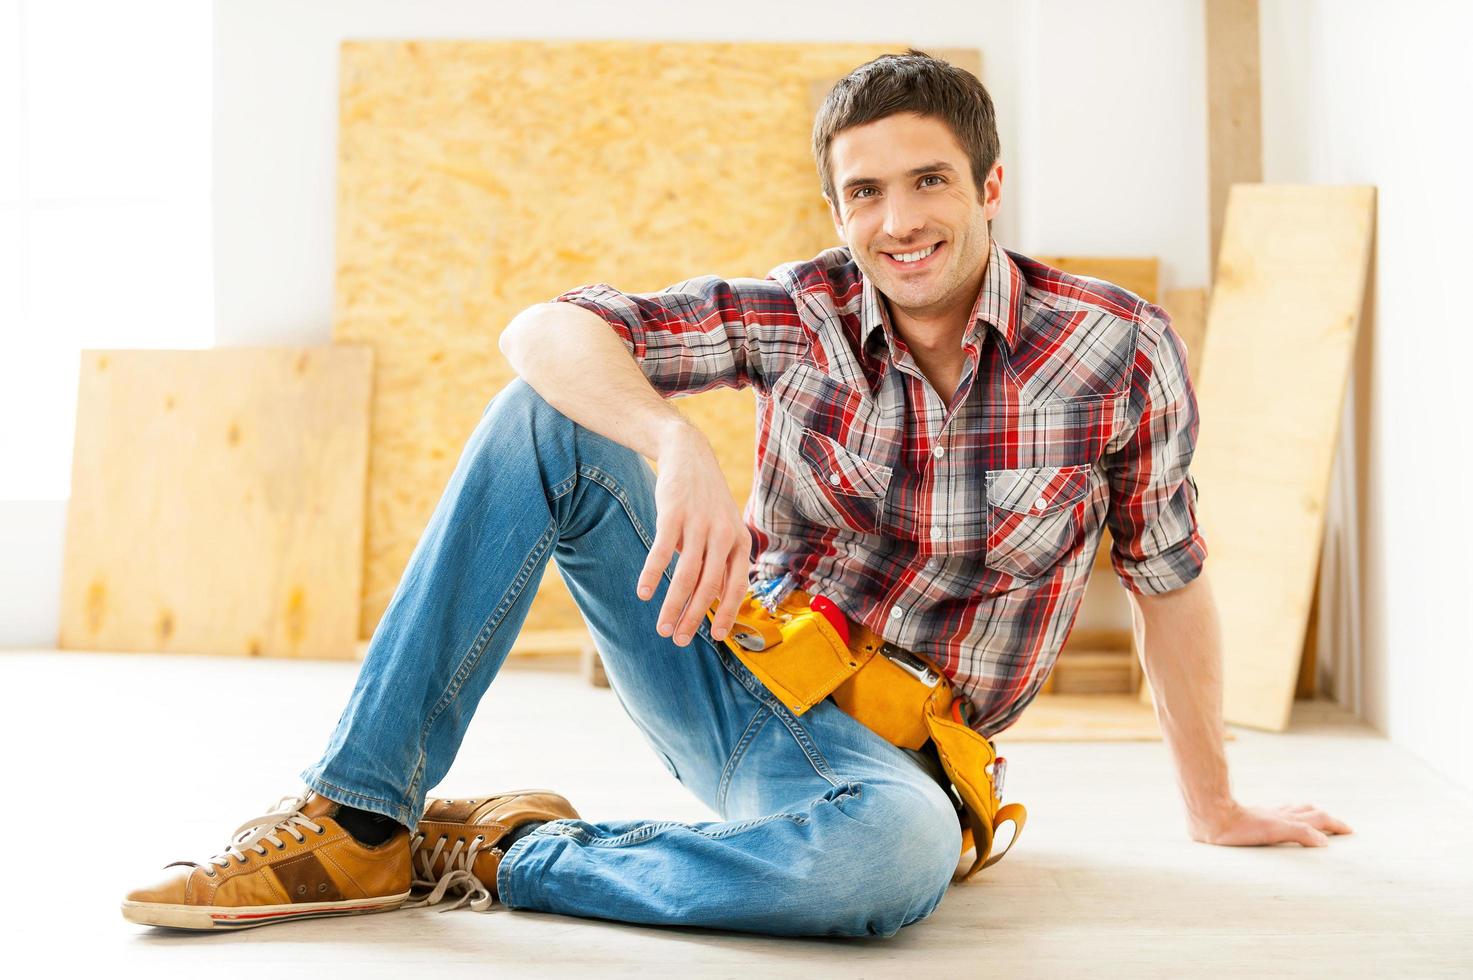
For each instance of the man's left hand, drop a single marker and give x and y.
(1247, 826)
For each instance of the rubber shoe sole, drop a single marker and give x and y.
(207, 918)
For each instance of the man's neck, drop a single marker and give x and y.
(938, 333)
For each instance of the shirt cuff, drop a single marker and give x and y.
(1164, 572)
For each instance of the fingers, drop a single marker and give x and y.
(658, 559)
(1321, 820)
(697, 582)
(1303, 833)
(1317, 818)
(736, 588)
(682, 584)
(712, 576)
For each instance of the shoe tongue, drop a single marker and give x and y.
(319, 806)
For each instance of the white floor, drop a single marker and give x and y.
(118, 764)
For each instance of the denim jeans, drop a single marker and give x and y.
(828, 829)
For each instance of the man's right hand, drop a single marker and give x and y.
(697, 516)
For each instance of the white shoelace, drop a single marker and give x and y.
(457, 873)
(253, 835)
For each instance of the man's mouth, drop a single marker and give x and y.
(913, 260)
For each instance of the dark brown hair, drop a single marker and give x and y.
(910, 82)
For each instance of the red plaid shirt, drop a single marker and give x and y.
(965, 531)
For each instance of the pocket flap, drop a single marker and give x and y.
(841, 470)
(1038, 489)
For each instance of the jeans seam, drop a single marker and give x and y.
(794, 726)
(608, 482)
(472, 657)
(758, 721)
(653, 828)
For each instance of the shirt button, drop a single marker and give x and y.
(932, 565)
(1040, 503)
(935, 531)
(896, 612)
(834, 479)
(939, 451)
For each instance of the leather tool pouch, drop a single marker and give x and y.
(803, 660)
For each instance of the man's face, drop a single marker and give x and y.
(904, 185)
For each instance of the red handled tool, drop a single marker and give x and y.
(825, 606)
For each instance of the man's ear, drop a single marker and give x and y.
(834, 214)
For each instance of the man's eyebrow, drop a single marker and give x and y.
(935, 166)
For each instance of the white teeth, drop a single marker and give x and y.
(915, 256)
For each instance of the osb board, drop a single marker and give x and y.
(478, 178)
(1281, 329)
(217, 501)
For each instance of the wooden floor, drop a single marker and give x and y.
(118, 764)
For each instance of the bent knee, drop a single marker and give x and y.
(900, 869)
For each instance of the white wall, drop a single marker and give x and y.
(104, 241)
(1114, 132)
(1354, 94)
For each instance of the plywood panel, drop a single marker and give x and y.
(1188, 311)
(1280, 332)
(477, 178)
(217, 502)
(1141, 276)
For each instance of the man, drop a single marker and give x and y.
(945, 428)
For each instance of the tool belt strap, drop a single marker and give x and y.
(894, 692)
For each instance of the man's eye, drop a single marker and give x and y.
(933, 177)
(861, 191)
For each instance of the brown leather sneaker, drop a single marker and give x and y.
(454, 845)
(295, 862)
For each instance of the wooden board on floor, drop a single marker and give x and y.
(1087, 718)
(1084, 718)
(1281, 329)
(479, 177)
(217, 502)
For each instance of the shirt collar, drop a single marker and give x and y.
(999, 303)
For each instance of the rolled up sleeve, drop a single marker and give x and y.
(702, 333)
(1157, 545)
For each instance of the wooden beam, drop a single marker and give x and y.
(1234, 116)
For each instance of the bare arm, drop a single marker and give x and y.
(1181, 643)
(572, 358)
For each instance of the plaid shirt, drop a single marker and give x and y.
(963, 530)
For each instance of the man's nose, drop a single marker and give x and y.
(902, 218)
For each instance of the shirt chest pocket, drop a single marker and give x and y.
(836, 486)
(1035, 517)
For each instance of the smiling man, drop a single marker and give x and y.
(945, 429)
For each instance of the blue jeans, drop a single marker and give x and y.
(828, 828)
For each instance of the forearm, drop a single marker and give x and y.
(574, 360)
(1181, 641)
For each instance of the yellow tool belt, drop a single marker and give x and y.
(803, 660)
